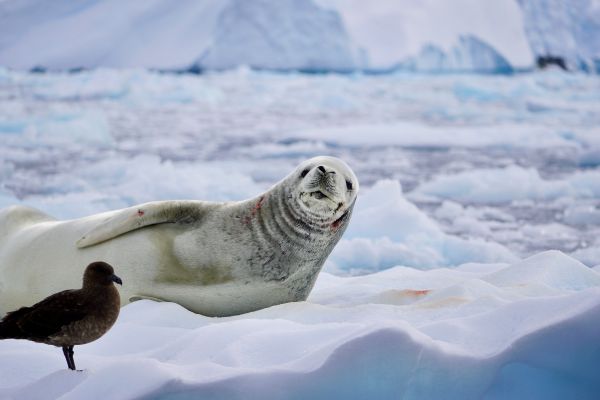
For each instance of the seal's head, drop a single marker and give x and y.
(326, 188)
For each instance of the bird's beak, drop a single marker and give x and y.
(116, 279)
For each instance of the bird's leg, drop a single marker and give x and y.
(71, 353)
(67, 352)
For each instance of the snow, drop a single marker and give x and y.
(445, 284)
(493, 331)
(589, 256)
(387, 230)
(418, 134)
(511, 184)
(60, 128)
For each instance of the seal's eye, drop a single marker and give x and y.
(348, 185)
(303, 174)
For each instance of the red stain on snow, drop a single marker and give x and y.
(415, 293)
(140, 213)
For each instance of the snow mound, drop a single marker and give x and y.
(386, 230)
(402, 333)
(551, 268)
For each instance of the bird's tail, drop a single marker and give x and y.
(9, 328)
(3, 334)
(4, 330)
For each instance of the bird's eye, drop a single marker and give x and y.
(303, 174)
(348, 185)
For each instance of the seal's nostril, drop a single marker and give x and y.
(321, 168)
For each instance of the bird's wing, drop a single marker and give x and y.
(49, 315)
(158, 212)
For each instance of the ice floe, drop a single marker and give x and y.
(528, 329)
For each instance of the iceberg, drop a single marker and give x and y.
(433, 35)
(280, 35)
(566, 31)
(307, 35)
(469, 54)
(213, 34)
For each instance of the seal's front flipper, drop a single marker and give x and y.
(137, 217)
(142, 297)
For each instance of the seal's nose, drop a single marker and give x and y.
(321, 168)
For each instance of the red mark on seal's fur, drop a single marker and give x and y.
(140, 213)
(254, 210)
(336, 224)
(258, 205)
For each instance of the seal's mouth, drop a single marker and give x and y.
(319, 195)
(320, 198)
(324, 196)
(336, 224)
